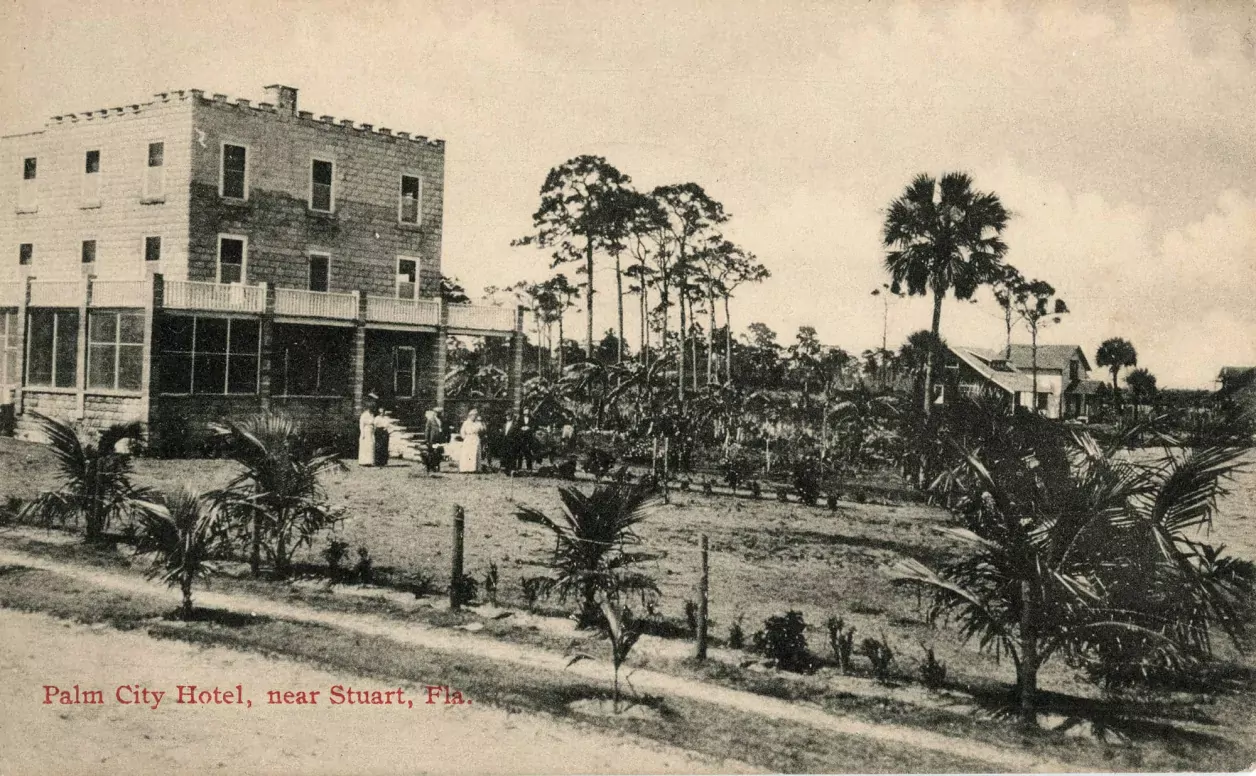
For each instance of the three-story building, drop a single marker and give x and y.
(196, 258)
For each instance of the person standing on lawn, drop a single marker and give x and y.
(469, 453)
(366, 432)
(526, 449)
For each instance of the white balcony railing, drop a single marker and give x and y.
(315, 304)
(120, 293)
(11, 294)
(56, 293)
(419, 312)
(481, 317)
(194, 295)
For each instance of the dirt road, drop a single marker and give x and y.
(36, 650)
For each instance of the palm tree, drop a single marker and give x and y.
(1116, 353)
(592, 555)
(944, 237)
(1077, 551)
(859, 414)
(1142, 385)
(95, 478)
(278, 493)
(182, 530)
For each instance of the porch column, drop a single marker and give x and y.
(266, 344)
(149, 375)
(20, 382)
(516, 363)
(357, 361)
(80, 397)
(440, 359)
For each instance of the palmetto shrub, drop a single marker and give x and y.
(1080, 552)
(94, 478)
(277, 500)
(183, 531)
(594, 541)
(783, 640)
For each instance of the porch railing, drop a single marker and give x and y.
(421, 312)
(481, 317)
(56, 293)
(316, 304)
(195, 295)
(119, 293)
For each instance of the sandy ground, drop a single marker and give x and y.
(36, 650)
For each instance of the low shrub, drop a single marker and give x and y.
(736, 634)
(783, 640)
(335, 553)
(841, 641)
(421, 585)
(932, 672)
(708, 488)
(466, 589)
(880, 654)
(491, 578)
(364, 571)
(598, 462)
(782, 495)
(533, 590)
(831, 502)
(691, 618)
(684, 485)
(806, 480)
(756, 489)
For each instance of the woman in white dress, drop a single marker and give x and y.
(366, 437)
(469, 453)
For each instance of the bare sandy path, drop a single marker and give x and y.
(644, 680)
(36, 650)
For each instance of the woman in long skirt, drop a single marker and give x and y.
(469, 453)
(366, 438)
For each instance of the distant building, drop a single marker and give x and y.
(192, 258)
(1063, 387)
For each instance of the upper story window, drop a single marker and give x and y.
(320, 271)
(231, 258)
(407, 278)
(155, 172)
(28, 193)
(89, 251)
(152, 249)
(1074, 370)
(25, 253)
(91, 179)
(411, 199)
(321, 193)
(234, 180)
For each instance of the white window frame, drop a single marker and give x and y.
(418, 215)
(244, 257)
(309, 268)
(117, 344)
(146, 192)
(414, 364)
(28, 189)
(161, 249)
(91, 180)
(310, 199)
(222, 169)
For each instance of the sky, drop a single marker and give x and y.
(1121, 136)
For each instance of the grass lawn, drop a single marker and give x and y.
(766, 556)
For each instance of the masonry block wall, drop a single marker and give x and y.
(61, 207)
(364, 234)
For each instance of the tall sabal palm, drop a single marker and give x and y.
(1115, 354)
(95, 477)
(183, 531)
(943, 237)
(594, 539)
(1142, 385)
(1078, 551)
(278, 493)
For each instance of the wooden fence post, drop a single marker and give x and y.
(455, 575)
(704, 588)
